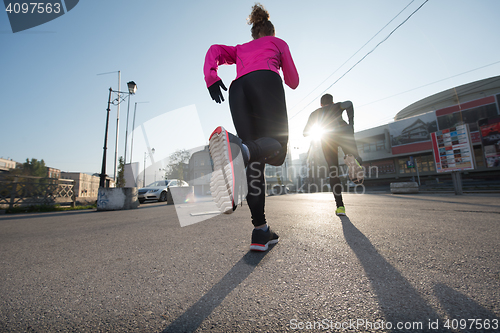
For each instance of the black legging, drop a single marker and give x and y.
(258, 108)
(342, 137)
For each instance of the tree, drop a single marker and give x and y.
(29, 186)
(120, 177)
(177, 161)
(34, 168)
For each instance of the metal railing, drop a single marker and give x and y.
(30, 191)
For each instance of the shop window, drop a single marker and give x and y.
(380, 145)
(425, 163)
(403, 168)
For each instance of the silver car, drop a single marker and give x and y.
(159, 190)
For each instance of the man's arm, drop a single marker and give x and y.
(347, 105)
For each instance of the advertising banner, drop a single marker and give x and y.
(413, 130)
(490, 137)
(453, 149)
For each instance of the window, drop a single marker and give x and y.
(373, 145)
(403, 168)
(382, 168)
(380, 145)
(270, 171)
(425, 163)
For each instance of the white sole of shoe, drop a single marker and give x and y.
(222, 181)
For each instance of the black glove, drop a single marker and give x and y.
(215, 92)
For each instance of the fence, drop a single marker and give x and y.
(30, 191)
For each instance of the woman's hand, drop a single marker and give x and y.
(215, 91)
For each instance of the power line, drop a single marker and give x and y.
(376, 46)
(428, 84)
(319, 85)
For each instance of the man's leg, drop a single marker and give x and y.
(330, 151)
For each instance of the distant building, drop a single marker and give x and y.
(7, 165)
(53, 173)
(85, 185)
(200, 171)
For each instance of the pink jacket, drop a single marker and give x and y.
(265, 53)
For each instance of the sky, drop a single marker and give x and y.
(55, 78)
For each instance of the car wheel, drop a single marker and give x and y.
(163, 196)
(141, 201)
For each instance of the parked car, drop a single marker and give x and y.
(159, 190)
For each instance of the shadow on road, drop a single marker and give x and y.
(459, 307)
(397, 299)
(190, 320)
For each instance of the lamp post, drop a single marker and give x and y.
(117, 118)
(152, 151)
(133, 127)
(117, 126)
(132, 88)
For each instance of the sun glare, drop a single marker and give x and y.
(317, 133)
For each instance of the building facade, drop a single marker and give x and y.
(386, 149)
(53, 173)
(85, 185)
(199, 171)
(6, 165)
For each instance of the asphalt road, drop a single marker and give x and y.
(416, 262)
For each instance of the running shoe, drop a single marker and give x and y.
(228, 182)
(340, 211)
(355, 169)
(262, 239)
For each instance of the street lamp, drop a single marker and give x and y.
(132, 88)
